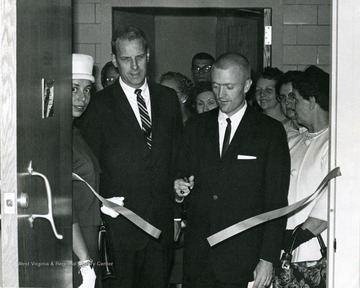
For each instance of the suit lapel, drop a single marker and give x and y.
(155, 113)
(244, 129)
(123, 109)
(213, 134)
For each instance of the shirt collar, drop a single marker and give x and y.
(131, 91)
(236, 118)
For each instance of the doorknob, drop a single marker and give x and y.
(49, 215)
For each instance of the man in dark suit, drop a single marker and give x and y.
(134, 134)
(236, 163)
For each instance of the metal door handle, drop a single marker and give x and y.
(23, 200)
(49, 215)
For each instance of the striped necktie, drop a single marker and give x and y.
(145, 119)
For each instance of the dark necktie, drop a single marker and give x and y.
(226, 142)
(144, 115)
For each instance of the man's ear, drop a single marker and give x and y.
(247, 85)
(147, 55)
(113, 60)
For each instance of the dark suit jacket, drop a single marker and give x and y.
(129, 169)
(228, 190)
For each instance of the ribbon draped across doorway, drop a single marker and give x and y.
(134, 218)
(267, 216)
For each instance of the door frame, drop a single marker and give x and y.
(344, 196)
(9, 172)
(9, 272)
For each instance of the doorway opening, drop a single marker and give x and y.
(175, 35)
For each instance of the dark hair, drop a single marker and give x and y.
(271, 73)
(103, 72)
(287, 77)
(202, 56)
(314, 82)
(129, 33)
(200, 88)
(320, 77)
(185, 84)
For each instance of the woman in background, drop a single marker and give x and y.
(309, 153)
(183, 88)
(284, 91)
(204, 97)
(265, 94)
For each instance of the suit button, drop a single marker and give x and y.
(215, 197)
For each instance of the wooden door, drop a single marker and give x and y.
(242, 34)
(37, 249)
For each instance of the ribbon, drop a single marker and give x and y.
(128, 214)
(270, 215)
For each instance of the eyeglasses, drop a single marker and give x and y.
(291, 98)
(205, 69)
(110, 79)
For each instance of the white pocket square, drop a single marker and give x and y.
(246, 157)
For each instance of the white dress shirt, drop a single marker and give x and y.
(235, 121)
(132, 98)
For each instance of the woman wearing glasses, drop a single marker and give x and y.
(286, 98)
(309, 163)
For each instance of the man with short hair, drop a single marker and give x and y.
(234, 165)
(201, 66)
(133, 127)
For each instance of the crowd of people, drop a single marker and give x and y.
(198, 152)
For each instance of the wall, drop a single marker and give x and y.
(87, 39)
(306, 34)
(86, 32)
(92, 23)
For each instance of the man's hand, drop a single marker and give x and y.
(183, 187)
(111, 212)
(263, 274)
